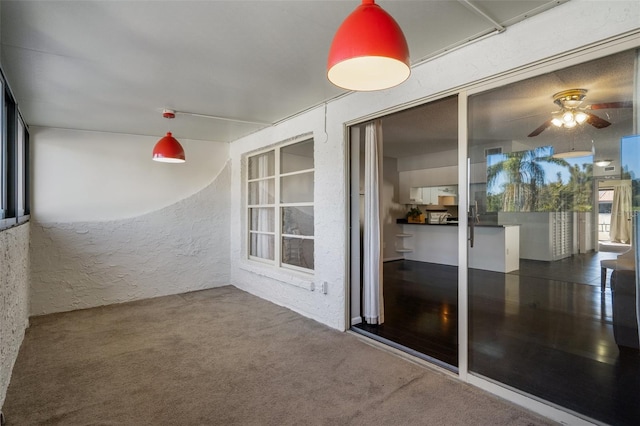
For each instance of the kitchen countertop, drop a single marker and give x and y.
(498, 247)
(453, 223)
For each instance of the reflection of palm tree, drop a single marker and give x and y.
(580, 187)
(525, 176)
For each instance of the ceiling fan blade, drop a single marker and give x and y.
(611, 105)
(540, 129)
(597, 122)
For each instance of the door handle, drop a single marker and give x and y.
(472, 209)
(472, 224)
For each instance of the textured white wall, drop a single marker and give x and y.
(86, 176)
(110, 225)
(180, 248)
(14, 289)
(292, 289)
(566, 27)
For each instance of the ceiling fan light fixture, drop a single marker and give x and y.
(572, 114)
(369, 51)
(603, 163)
(580, 117)
(573, 103)
(571, 98)
(567, 117)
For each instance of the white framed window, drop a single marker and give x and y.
(21, 165)
(280, 206)
(3, 152)
(14, 161)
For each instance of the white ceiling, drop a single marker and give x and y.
(113, 65)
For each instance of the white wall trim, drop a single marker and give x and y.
(281, 275)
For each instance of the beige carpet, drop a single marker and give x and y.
(224, 357)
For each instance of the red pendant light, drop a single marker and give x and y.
(369, 51)
(168, 149)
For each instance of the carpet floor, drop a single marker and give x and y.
(225, 357)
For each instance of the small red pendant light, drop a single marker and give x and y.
(369, 51)
(168, 149)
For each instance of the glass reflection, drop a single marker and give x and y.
(297, 252)
(554, 328)
(262, 192)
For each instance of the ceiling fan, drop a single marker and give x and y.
(572, 114)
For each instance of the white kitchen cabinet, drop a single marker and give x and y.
(544, 236)
(416, 196)
(437, 176)
(431, 195)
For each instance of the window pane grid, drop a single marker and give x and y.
(3, 152)
(280, 219)
(302, 237)
(306, 204)
(14, 160)
(262, 232)
(297, 188)
(260, 179)
(262, 165)
(21, 168)
(297, 173)
(296, 156)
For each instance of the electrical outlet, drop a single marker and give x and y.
(325, 287)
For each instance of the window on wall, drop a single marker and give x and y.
(22, 169)
(280, 206)
(14, 161)
(3, 153)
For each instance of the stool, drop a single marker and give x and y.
(625, 262)
(604, 265)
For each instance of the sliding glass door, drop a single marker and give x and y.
(417, 253)
(551, 293)
(545, 301)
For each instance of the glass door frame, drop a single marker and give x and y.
(600, 50)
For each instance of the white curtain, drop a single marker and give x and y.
(620, 230)
(373, 305)
(264, 218)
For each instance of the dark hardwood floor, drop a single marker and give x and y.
(421, 309)
(545, 329)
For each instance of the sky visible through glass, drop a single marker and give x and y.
(550, 170)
